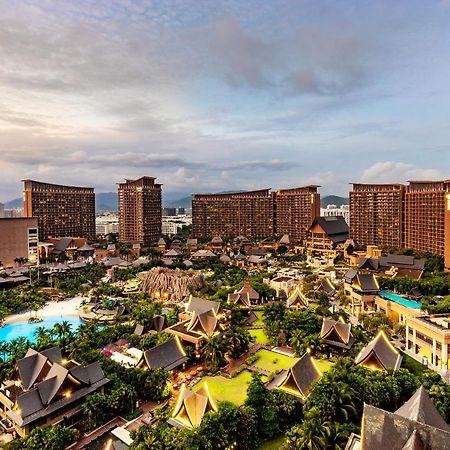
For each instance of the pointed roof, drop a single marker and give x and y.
(334, 330)
(327, 286)
(86, 248)
(297, 297)
(379, 354)
(224, 258)
(199, 305)
(414, 442)
(421, 408)
(161, 241)
(285, 239)
(239, 257)
(204, 323)
(216, 240)
(159, 322)
(247, 288)
(240, 299)
(167, 356)
(367, 282)
(191, 407)
(188, 263)
(301, 376)
(172, 253)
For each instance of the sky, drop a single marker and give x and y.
(215, 95)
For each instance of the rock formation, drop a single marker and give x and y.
(171, 285)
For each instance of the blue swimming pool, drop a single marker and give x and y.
(25, 329)
(399, 299)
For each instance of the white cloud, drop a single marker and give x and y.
(397, 172)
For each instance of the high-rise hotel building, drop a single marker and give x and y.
(62, 211)
(415, 216)
(295, 210)
(256, 214)
(427, 217)
(233, 214)
(139, 211)
(376, 214)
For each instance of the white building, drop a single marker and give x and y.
(172, 224)
(107, 223)
(334, 211)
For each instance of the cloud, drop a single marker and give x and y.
(395, 172)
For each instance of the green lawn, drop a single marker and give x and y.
(259, 315)
(323, 365)
(260, 336)
(273, 444)
(272, 361)
(227, 389)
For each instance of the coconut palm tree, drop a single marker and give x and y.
(214, 351)
(42, 336)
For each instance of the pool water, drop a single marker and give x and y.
(399, 299)
(26, 330)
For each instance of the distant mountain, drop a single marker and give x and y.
(333, 200)
(185, 202)
(13, 204)
(106, 201)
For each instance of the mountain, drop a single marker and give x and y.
(185, 202)
(106, 201)
(333, 200)
(13, 204)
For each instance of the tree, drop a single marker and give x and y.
(239, 341)
(214, 351)
(51, 438)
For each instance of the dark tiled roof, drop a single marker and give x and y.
(206, 322)
(327, 286)
(159, 322)
(138, 330)
(167, 356)
(336, 228)
(350, 275)
(199, 305)
(382, 351)
(421, 408)
(239, 299)
(248, 289)
(385, 430)
(367, 282)
(334, 329)
(303, 373)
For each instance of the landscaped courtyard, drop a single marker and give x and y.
(227, 389)
(260, 336)
(272, 361)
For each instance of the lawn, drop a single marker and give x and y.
(323, 365)
(227, 389)
(260, 336)
(259, 315)
(273, 361)
(273, 444)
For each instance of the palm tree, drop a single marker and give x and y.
(214, 351)
(310, 435)
(42, 336)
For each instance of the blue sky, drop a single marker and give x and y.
(219, 95)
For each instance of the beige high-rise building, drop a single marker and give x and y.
(62, 211)
(139, 211)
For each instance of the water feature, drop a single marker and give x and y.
(399, 299)
(26, 330)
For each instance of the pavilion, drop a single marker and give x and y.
(191, 407)
(337, 334)
(379, 354)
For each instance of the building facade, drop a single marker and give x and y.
(256, 214)
(376, 214)
(139, 211)
(334, 211)
(295, 210)
(18, 239)
(248, 214)
(427, 217)
(61, 210)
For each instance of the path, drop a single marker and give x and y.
(235, 363)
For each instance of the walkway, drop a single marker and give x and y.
(89, 438)
(235, 363)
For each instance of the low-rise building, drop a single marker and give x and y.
(379, 354)
(416, 425)
(428, 337)
(48, 390)
(362, 289)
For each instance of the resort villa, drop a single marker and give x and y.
(47, 390)
(336, 334)
(298, 379)
(416, 425)
(191, 407)
(201, 320)
(379, 354)
(362, 288)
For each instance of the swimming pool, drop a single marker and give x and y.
(399, 299)
(25, 329)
